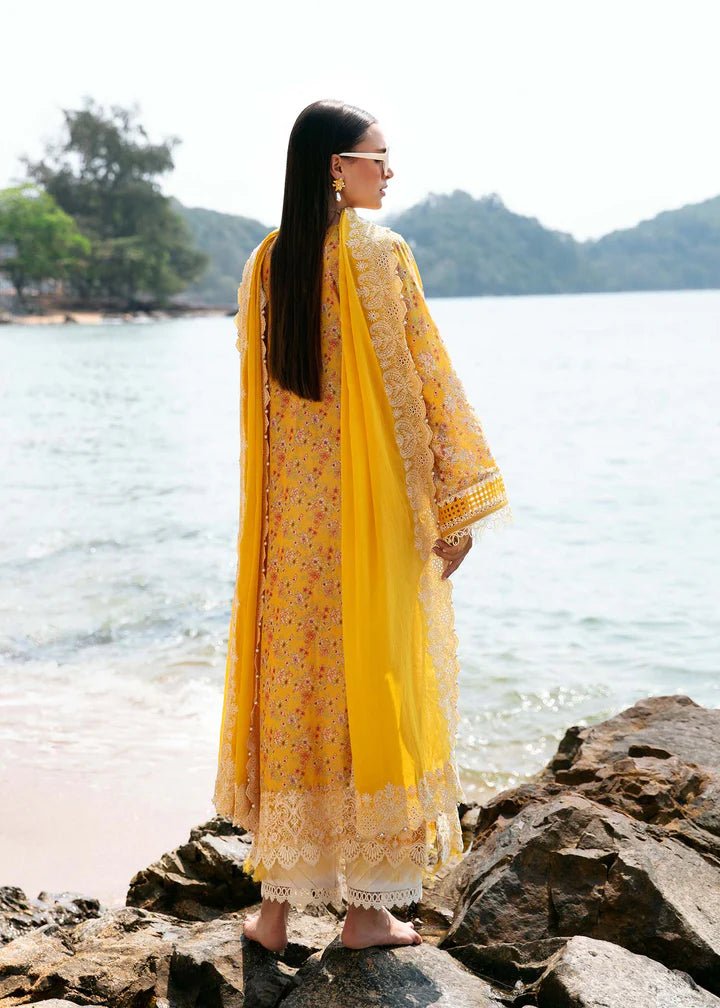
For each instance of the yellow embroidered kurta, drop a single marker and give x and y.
(299, 799)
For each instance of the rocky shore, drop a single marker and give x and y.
(594, 885)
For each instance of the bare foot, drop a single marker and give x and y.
(268, 925)
(363, 928)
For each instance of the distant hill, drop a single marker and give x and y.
(676, 250)
(467, 247)
(228, 240)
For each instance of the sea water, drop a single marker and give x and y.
(118, 522)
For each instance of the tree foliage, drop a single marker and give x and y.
(38, 240)
(104, 172)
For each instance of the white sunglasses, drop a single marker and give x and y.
(372, 156)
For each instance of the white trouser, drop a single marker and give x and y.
(361, 884)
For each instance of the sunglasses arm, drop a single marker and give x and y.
(367, 154)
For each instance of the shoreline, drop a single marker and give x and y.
(555, 900)
(85, 317)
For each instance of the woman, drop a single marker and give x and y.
(364, 471)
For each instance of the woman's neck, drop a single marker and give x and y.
(334, 215)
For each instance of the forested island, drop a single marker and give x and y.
(468, 247)
(88, 229)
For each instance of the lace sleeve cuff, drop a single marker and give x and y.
(472, 504)
(453, 538)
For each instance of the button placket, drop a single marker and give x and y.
(255, 741)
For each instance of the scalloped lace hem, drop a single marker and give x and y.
(302, 898)
(324, 896)
(395, 823)
(393, 898)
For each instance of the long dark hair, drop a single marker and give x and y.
(294, 350)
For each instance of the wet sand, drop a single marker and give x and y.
(61, 831)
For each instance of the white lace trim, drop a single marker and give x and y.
(306, 825)
(395, 897)
(502, 517)
(323, 896)
(301, 898)
(453, 538)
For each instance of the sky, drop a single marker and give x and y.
(588, 116)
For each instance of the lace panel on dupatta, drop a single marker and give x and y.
(380, 290)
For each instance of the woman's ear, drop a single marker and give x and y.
(335, 165)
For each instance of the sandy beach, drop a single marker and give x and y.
(67, 831)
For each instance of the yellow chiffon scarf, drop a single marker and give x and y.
(400, 730)
(397, 733)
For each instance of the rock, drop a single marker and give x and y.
(58, 1003)
(308, 935)
(387, 977)
(513, 965)
(130, 956)
(657, 761)
(19, 914)
(201, 879)
(569, 866)
(433, 915)
(268, 978)
(24, 960)
(596, 974)
(610, 855)
(119, 959)
(213, 963)
(468, 815)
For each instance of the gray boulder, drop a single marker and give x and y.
(597, 974)
(131, 957)
(58, 1003)
(20, 914)
(569, 866)
(200, 879)
(388, 978)
(117, 959)
(515, 965)
(657, 761)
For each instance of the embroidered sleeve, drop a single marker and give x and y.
(469, 487)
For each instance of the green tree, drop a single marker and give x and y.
(104, 172)
(38, 240)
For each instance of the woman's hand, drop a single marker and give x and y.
(452, 555)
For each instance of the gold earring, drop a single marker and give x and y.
(338, 183)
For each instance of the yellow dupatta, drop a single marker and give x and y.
(398, 631)
(396, 730)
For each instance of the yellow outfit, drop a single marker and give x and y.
(340, 708)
